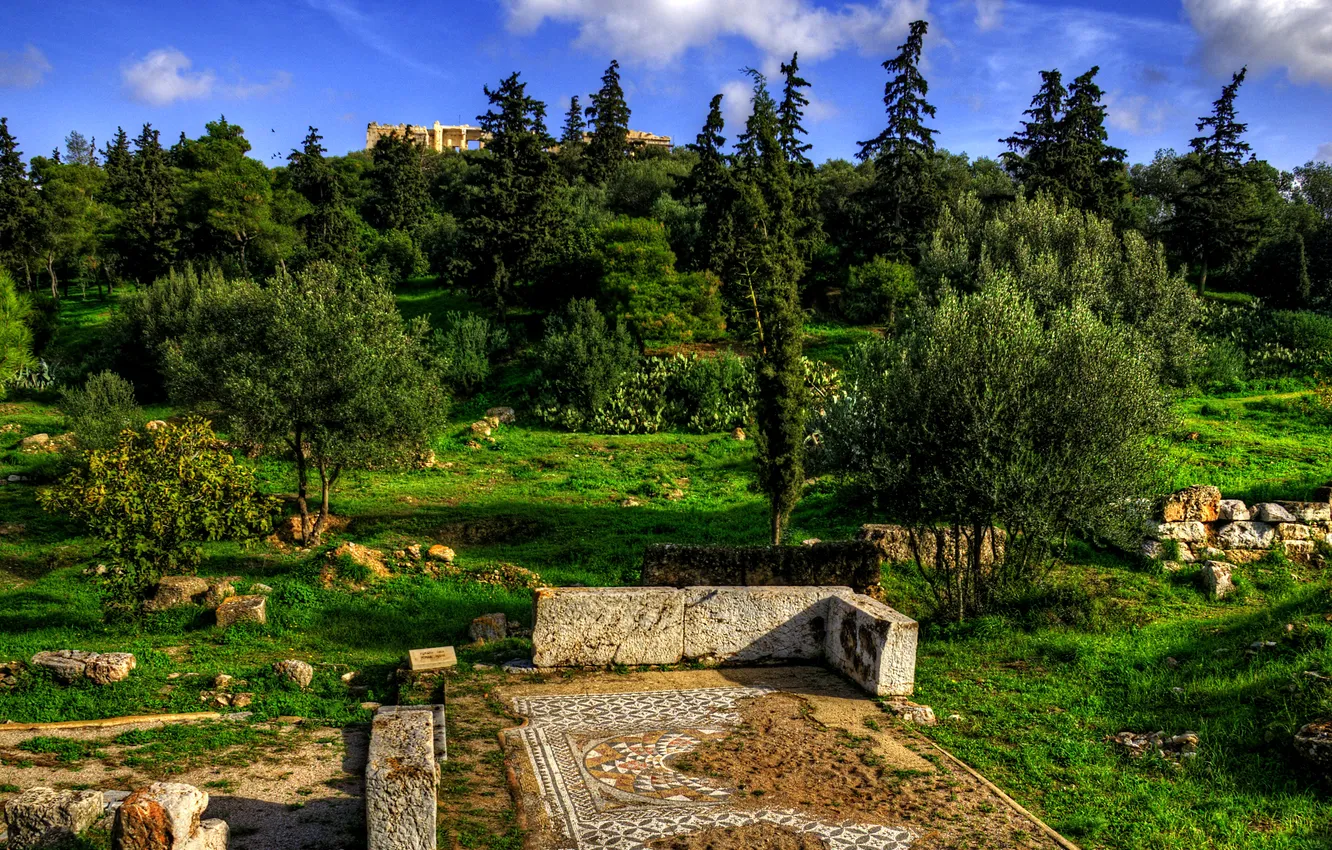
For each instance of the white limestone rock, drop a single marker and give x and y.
(1216, 579)
(40, 817)
(1308, 512)
(872, 644)
(599, 626)
(167, 810)
(401, 777)
(1231, 510)
(1246, 535)
(750, 624)
(1185, 532)
(1292, 531)
(67, 665)
(296, 671)
(1272, 512)
(110, 667)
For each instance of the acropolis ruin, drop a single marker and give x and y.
(444, 137)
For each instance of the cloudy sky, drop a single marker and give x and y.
(276, 66)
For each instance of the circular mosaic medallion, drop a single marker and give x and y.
(636, 764)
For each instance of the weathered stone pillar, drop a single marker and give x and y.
(401, 781)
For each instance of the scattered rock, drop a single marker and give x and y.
(1199, 503)
(1172, 566)
(910, 712)
(492, 421)
(11, 428)
(295, 671)
(41, 817)
(155, 424)
(1272, 512)
(488, 627)
(738, 433)
(1173, 748)
(441, 553)
(167, 816)
(9, 673)
(36, 443)
(289, 531)
(473, 445)
(810, 541)
(110, 667)
(519, 665)
(414, 551)
(1172, 662)
(67, 665)
(258, 587)
(15, 478)
(481, 428)
(219, 590)
(347, 677)
(370, 706)
(241, 700)
(674, 494)
(371, 559)
(222, 680)
(1216, 579)
(1314, 742)
(1211, 553)
(631, 502)
(174, 591)
(504, 415)
(242, 609)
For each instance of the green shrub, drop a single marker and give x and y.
(395, 256)
(1223, 367)
(100, 410)
(465, 348)
(878, 290)
(15, 335)
(708, 394)
(153, 497)
(582, 360)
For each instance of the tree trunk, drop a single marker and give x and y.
(1202, 280)
(301, 477)
(50, 270)
(326, 482)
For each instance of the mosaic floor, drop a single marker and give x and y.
(602, 766)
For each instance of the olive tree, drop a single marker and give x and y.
(985, 415)
(321, 362)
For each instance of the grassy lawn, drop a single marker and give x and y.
(1035, 691)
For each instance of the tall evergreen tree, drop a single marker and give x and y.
(791, 112)
(905, 198)
(572, 143)
(116, 159)
(610, 137)
(517, 218)
(328, 228)
(1035, 152)
(763, 273)
(400, 194)
(80, 151)
(18, 204)
(1093, 175)
(710, 183)
(1215, 222)
(150, 231)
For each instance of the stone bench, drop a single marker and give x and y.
(599, 626)
(401, 781)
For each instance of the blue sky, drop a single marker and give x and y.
(276, 66)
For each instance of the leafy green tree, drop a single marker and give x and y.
(763, 273)
(100, 410)
(876, 291)
(1215, 223)
(63, 235)
(905, 200)
(465, 347)
(711, 185)
(15, 334)
(400, 195)
(18, 204)
(79, 150)
(329, 227)
(609, 115)
(987, 414)
(581, 360)
(153, 497)
(321, 362)
(519, 214)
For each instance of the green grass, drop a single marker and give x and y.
(1037, 688)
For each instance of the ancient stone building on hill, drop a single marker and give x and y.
(443, 137)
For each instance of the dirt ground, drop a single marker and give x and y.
(305, 792)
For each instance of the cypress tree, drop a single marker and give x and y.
(791, 112)
(905, 198)
(1093, 174)
(572, 144)
(764, 269)
(1035, 151)
(400, 194)
(18, 203)
(610, 116)
(328, 229)
(149, 230)
(711, 185)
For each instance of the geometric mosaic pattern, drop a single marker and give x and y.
(602, 766)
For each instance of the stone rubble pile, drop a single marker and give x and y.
(162, 816)
(1173, 748)
(1205, 527)
(70, 665)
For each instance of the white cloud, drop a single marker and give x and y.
(243, 90)
(163, 77)
(23, 70)
(1137, 114)
(989, 14)
(661, 30)
(1264, 34)
(737, 104)
(1324, 152)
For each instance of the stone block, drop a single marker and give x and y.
(1299, 550)
(488, 627)
(599, 626)
(872, 644)
(1272, 512)
(173, 591)
(504, 415)
(242, 609)
(1191, 531)
(1199, 503)
(756, 624)
(933, 546)
(441, 553)
(436, 716)
(1231, 510)
(67, 665)
(295, 671)
(1292, 531)
(1216, 579)
(433, 658)
(166, 816)
(1314, 742)
(1308, 512)
(43, 817)
(401, 777)
(1152, 549)
(1246, 535)
(110, 667)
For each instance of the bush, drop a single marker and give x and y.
(878, 290)
(153, 497)
(465, 347)
(101, 410)
(15, 335)
(709, 394)
(395, 256)
(1223, 367)
(582, 360)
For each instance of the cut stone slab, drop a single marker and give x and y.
(1216, 579)
(174, 591)
(242, 609)
(110, 667)
(167, 816)
(872, 644)
(600, 626)
(1246, 535)
(401, 777)
(1292, 531)
(436, 717)
(1184, 532)
(41, 817)
(1308, 512)
(434, 658)
(1199, 503)
(756, 624)
(1231, 510)
(67, 665)
(1272, 512)
(489, 627)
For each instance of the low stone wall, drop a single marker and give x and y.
(401, 781)
(598, 626)
(933, 546)
(1205, 527)
(849, 563)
